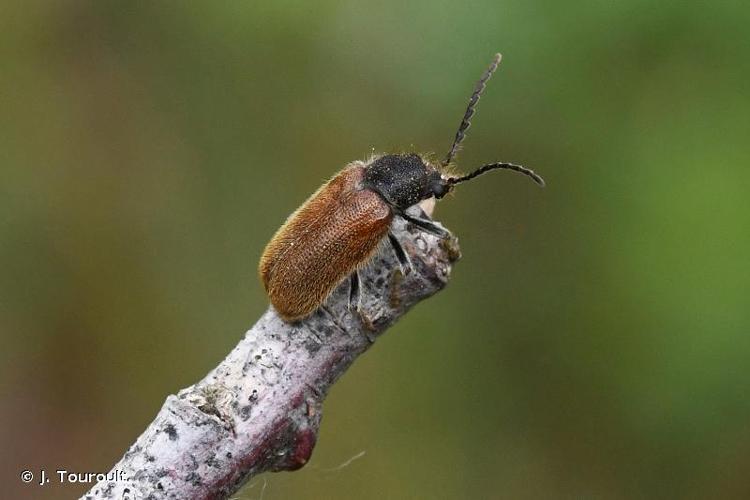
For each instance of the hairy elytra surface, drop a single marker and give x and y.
(335, 231)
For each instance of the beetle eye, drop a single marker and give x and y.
(441, 188)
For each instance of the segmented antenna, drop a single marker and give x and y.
(492, 166)
(471, 108)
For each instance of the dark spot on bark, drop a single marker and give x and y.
(211, 461)
(254, 395)
(171, 432)
(150, 458)
(312, 346)
(379, 324)
(229, 454)
(161, 472)
(159, 486)
(245, 412)
(194, 479)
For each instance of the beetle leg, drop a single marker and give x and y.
(354, 291)
(403, 259)
(356, 307)
(426, 225)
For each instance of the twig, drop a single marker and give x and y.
(259, 410)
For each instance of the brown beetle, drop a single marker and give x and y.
(336, 231)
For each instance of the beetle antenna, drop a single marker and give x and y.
(493, 166)
(471, 108)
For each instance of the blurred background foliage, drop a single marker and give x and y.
(594, 341)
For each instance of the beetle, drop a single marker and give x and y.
(339, 228)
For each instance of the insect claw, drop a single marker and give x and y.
(403, 260)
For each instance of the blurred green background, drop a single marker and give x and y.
(594, 342)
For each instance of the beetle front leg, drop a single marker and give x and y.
(426, 225)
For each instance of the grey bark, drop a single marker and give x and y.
(259, 410)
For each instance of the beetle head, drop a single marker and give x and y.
(405, 180)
